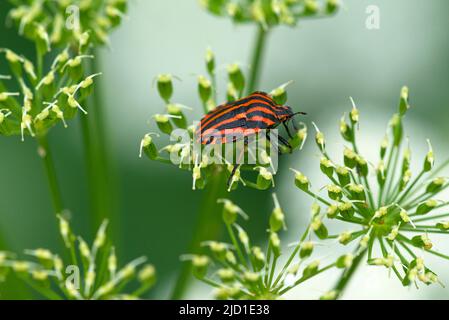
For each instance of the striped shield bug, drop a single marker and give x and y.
(248, 116)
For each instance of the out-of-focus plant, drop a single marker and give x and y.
(71, 30)
(87, 272)
(241, 270)
(268, 14)
(65, 21)
(210, 176)
(394, 226)
(45, 96)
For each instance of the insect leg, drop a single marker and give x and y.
(284, 123)
(276, 144)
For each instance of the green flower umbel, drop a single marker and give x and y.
(65, 22)
(42, 101)
(271, 12)
(185, 151)
(87, 273)
(390, 210)
(242, 270)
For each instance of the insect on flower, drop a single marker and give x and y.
(243, 118)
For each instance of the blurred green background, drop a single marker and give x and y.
(329, 60)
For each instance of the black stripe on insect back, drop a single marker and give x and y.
(241, 122)
(222, 109)
(233, 113)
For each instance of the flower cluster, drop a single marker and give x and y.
(394, 226)
(241, 270)
(200, 164)
(89, 272)
(269, 13)
(64, 22)
(42, 99)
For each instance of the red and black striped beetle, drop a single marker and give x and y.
(247, 116)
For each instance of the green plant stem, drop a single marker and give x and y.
(208, 226)
(102, 180)
(50, 171)
(346, 275)
(258, 53)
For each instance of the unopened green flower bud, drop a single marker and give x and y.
(327, 167)
(277, 220)
(345, 131)
(306, 249)
(236, 77)
(426, 207)
(280, 94)
(332, 6)
(383, 147)
(210, 61)
(381, 212)
(345, 262)
(334, 192)
(311, 269)
(251, 277)
(343, 175)
(204, 88)
(364, 241)
(346, 209)
(354, 115)
(404, 102)
(422, 241)
(178, 117)
(404, 216)
(357, 191)
(299, 138)
(310, 7)
(435, 185)
(230, 257)
(345, 237)
(405, 179)
(320, 140)
(226, 275)
(230, 212)
(301, 181)
(39, 275)
(362, 166)
(147, 145)
(275, 243)
(319, 228)
(163, 123)
(200, 265)
(259, 257)
(264, 178)
(444, 226)
(332, 211)
(147, 275)
(350, 158)
(20, 266)
(393, 233)
(380, 173)
(430, 159)
(165, 86)
(316, 209)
